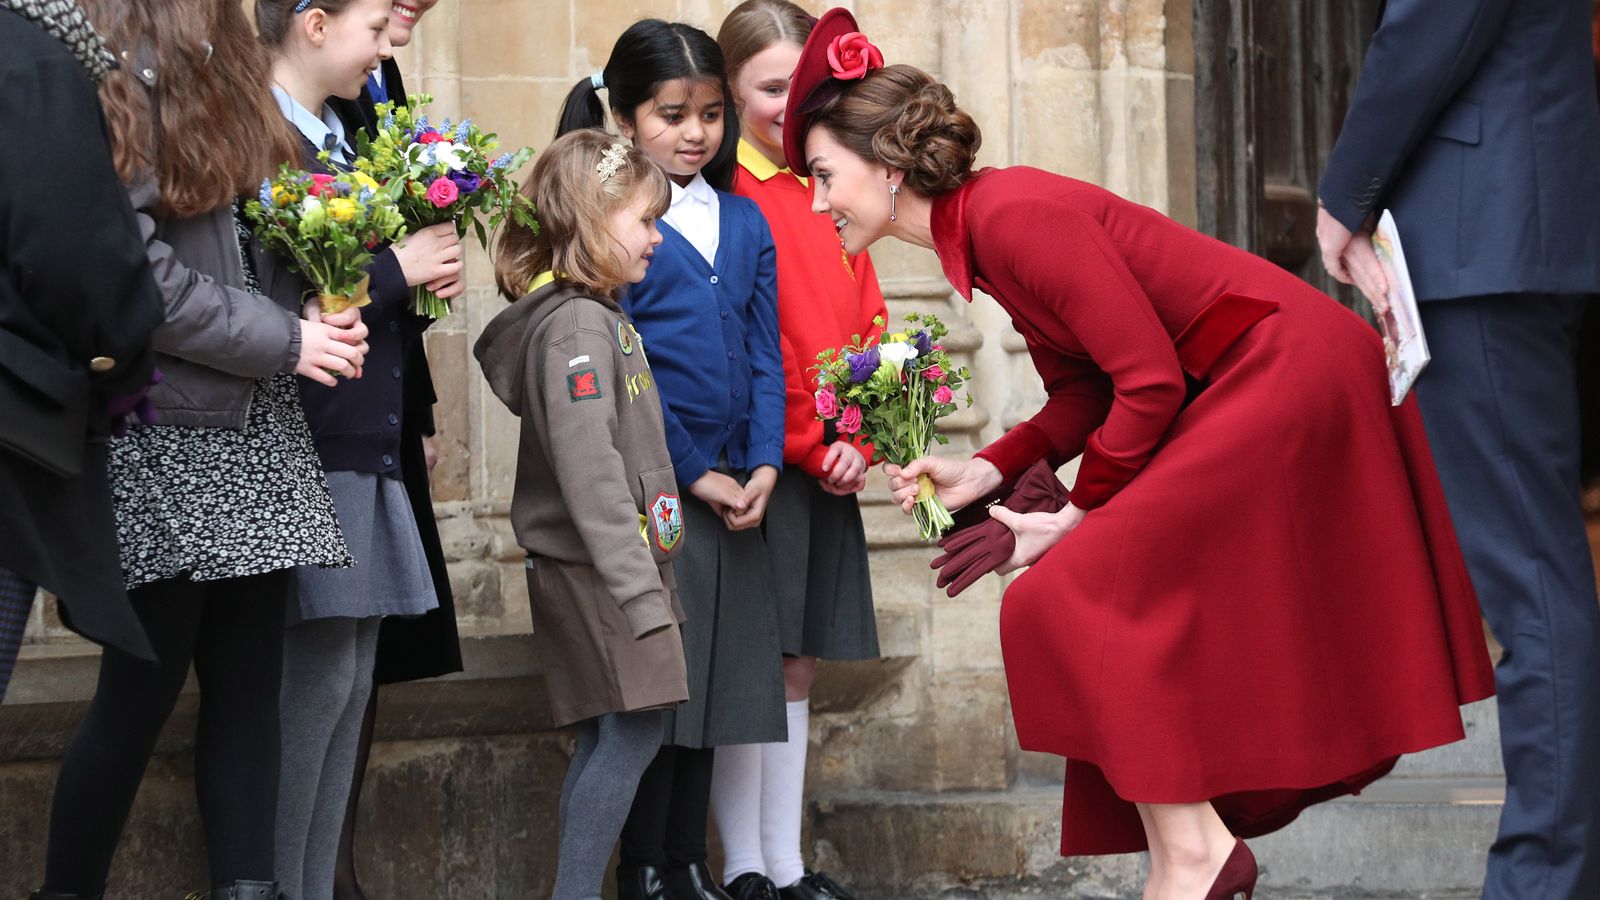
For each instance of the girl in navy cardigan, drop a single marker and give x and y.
(325, 48)
(708, 315)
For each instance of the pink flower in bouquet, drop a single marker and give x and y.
(944, 394)
(443, 192)
(852, 56)
(827, 403)
(429, 137)
(933, 373)
(850, 422)
(321, 185)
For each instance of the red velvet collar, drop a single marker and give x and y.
(951, 239)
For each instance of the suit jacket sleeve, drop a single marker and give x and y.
(593, 475)
(767, 387)
(1421, 55)
(76, 256)
(1077, 288)
(217, 326)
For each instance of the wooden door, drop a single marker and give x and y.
(1272, 81)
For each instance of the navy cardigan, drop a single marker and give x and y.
(356, 424)
(712, 336)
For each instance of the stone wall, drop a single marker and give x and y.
(1099, 89)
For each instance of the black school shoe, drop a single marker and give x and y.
(238, 890)
(639, 883)
(816, 886)
(752, 886)
(693, 882)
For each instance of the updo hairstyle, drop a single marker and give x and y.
(900, 117)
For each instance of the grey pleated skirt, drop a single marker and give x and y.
(818, 549)
(730, 637)
(390, 576)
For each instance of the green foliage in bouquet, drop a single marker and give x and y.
(326, 226)
(891, 391)
(448, 173)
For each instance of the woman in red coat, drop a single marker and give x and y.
(1255, 600)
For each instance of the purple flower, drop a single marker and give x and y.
(862, 365)
(923, 343)
(466, 181)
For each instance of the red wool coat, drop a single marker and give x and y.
(1266, 605)
(824, 297)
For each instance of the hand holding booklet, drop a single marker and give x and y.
(1405, 348)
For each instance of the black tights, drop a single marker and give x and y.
(233, 632)
(667, 823)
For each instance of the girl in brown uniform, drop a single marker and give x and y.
(595, 502)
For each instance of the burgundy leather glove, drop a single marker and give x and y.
(137, 404)
(979, 548)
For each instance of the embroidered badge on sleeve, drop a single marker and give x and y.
(625, 336)
(666, 513)
(584, 385)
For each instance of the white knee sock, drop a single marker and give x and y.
(783, 785)
(736, 803)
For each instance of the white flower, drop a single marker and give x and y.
(452, 156)
(897, 354)
(310, 204)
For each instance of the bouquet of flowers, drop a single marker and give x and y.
(448, 173)
(326, 226)
(890, 391)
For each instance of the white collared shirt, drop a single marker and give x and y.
(696, 213)
(317, 129)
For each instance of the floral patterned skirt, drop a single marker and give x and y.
(213, 503)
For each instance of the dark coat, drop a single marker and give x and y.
(1475, 123)
(76, 287)
(429, 645)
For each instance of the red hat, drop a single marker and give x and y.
(835, 56)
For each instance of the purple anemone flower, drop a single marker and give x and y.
(862, 365)
(923, 343)
(466, 181)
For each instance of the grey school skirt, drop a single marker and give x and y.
(730, 636)
(818, 549)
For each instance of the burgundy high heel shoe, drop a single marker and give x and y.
(1237, 880)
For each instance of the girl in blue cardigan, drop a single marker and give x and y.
(708, 315)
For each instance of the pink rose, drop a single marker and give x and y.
(850, 422)
(443, 192)
(944, 394)
(852, 56)
(827, 403)
(321, 185)
(429, 137)
(933, 373)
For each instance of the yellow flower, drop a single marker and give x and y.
(362, 179)
(898, 336)
(281, 196)
(342, 209)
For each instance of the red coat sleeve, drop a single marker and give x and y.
(802, 430)
(1059, 271)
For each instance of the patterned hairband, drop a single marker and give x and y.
(301, 6)
(611, 160)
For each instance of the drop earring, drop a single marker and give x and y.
(894, 193)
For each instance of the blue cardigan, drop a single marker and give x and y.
(712, 336)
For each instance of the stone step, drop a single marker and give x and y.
(1404, 837)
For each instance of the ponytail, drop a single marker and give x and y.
(582, 108)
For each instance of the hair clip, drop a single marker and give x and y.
(301, 6)
(611, 160)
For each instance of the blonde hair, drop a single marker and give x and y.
(574, 203)
(755, 25)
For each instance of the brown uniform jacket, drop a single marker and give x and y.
(595, 503)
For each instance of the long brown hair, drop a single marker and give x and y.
(755, 25)
(273, 17)
(574, 203)
(208, 129)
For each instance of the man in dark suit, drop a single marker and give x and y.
(1476, 124)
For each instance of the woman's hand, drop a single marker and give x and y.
(846, 469)
(752, 503)
(717, 490)
(430, 454)
(1036, 533)
(957, 482)
(432, 257)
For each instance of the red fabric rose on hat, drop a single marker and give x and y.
(852, 56)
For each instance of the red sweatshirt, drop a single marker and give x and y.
(824, 297)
